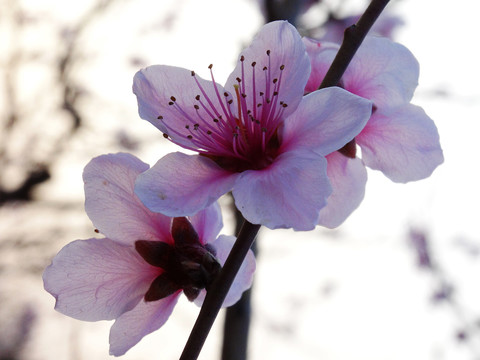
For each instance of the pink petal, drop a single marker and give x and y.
(97, 279)
(321, 56)
(286, 48)
(326, 120)
(403, 143)
(243, 281)
(208, 223)
(181, 185)
(287, 194)
(112, 205)
(144, 319)
(348, 178)
(155, 86)
(382, 71)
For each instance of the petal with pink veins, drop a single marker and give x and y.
(113, 207)
(181, 185)
(402, 142)
(97, 279)
(244, 278)
(142, 320)
(208, 223)
(382, 71)
(285, 48)
(171, 99)
(287, 194)
(325, 121)
(348, 178)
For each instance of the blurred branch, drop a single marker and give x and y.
(33, 170)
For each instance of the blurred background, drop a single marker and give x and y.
(398, 280)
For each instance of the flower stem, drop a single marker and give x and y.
(218, 291)
(352, 39)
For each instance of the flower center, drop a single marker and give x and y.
(237, 130)
(187, 264)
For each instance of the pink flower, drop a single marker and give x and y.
(257, 136)
(334, 28)
(138, 271)
(399, 139)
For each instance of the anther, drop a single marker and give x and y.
(165, 135)
(275, 80)
(190, 137)
(230, 102)
(282, 67)
(193, 73)
(242, 58)
(268, 52)
(170, 103)
(196, 107)
(238, 79)
(173, 98)
(264, 68)
(160, 117)
(209, 132)
(210, 66)
(225, 94)
(197, 97)
(254, 63)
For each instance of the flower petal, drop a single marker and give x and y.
(155, 86)
(348, 178)
(287, 194)
(243, 281)
(208, 223)
(321, 56)
(97, 279)
(144, 319)
(286, 48)
(181, 185)
(403, 143)
(113, 207)
(382, 71)
(325, 121)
